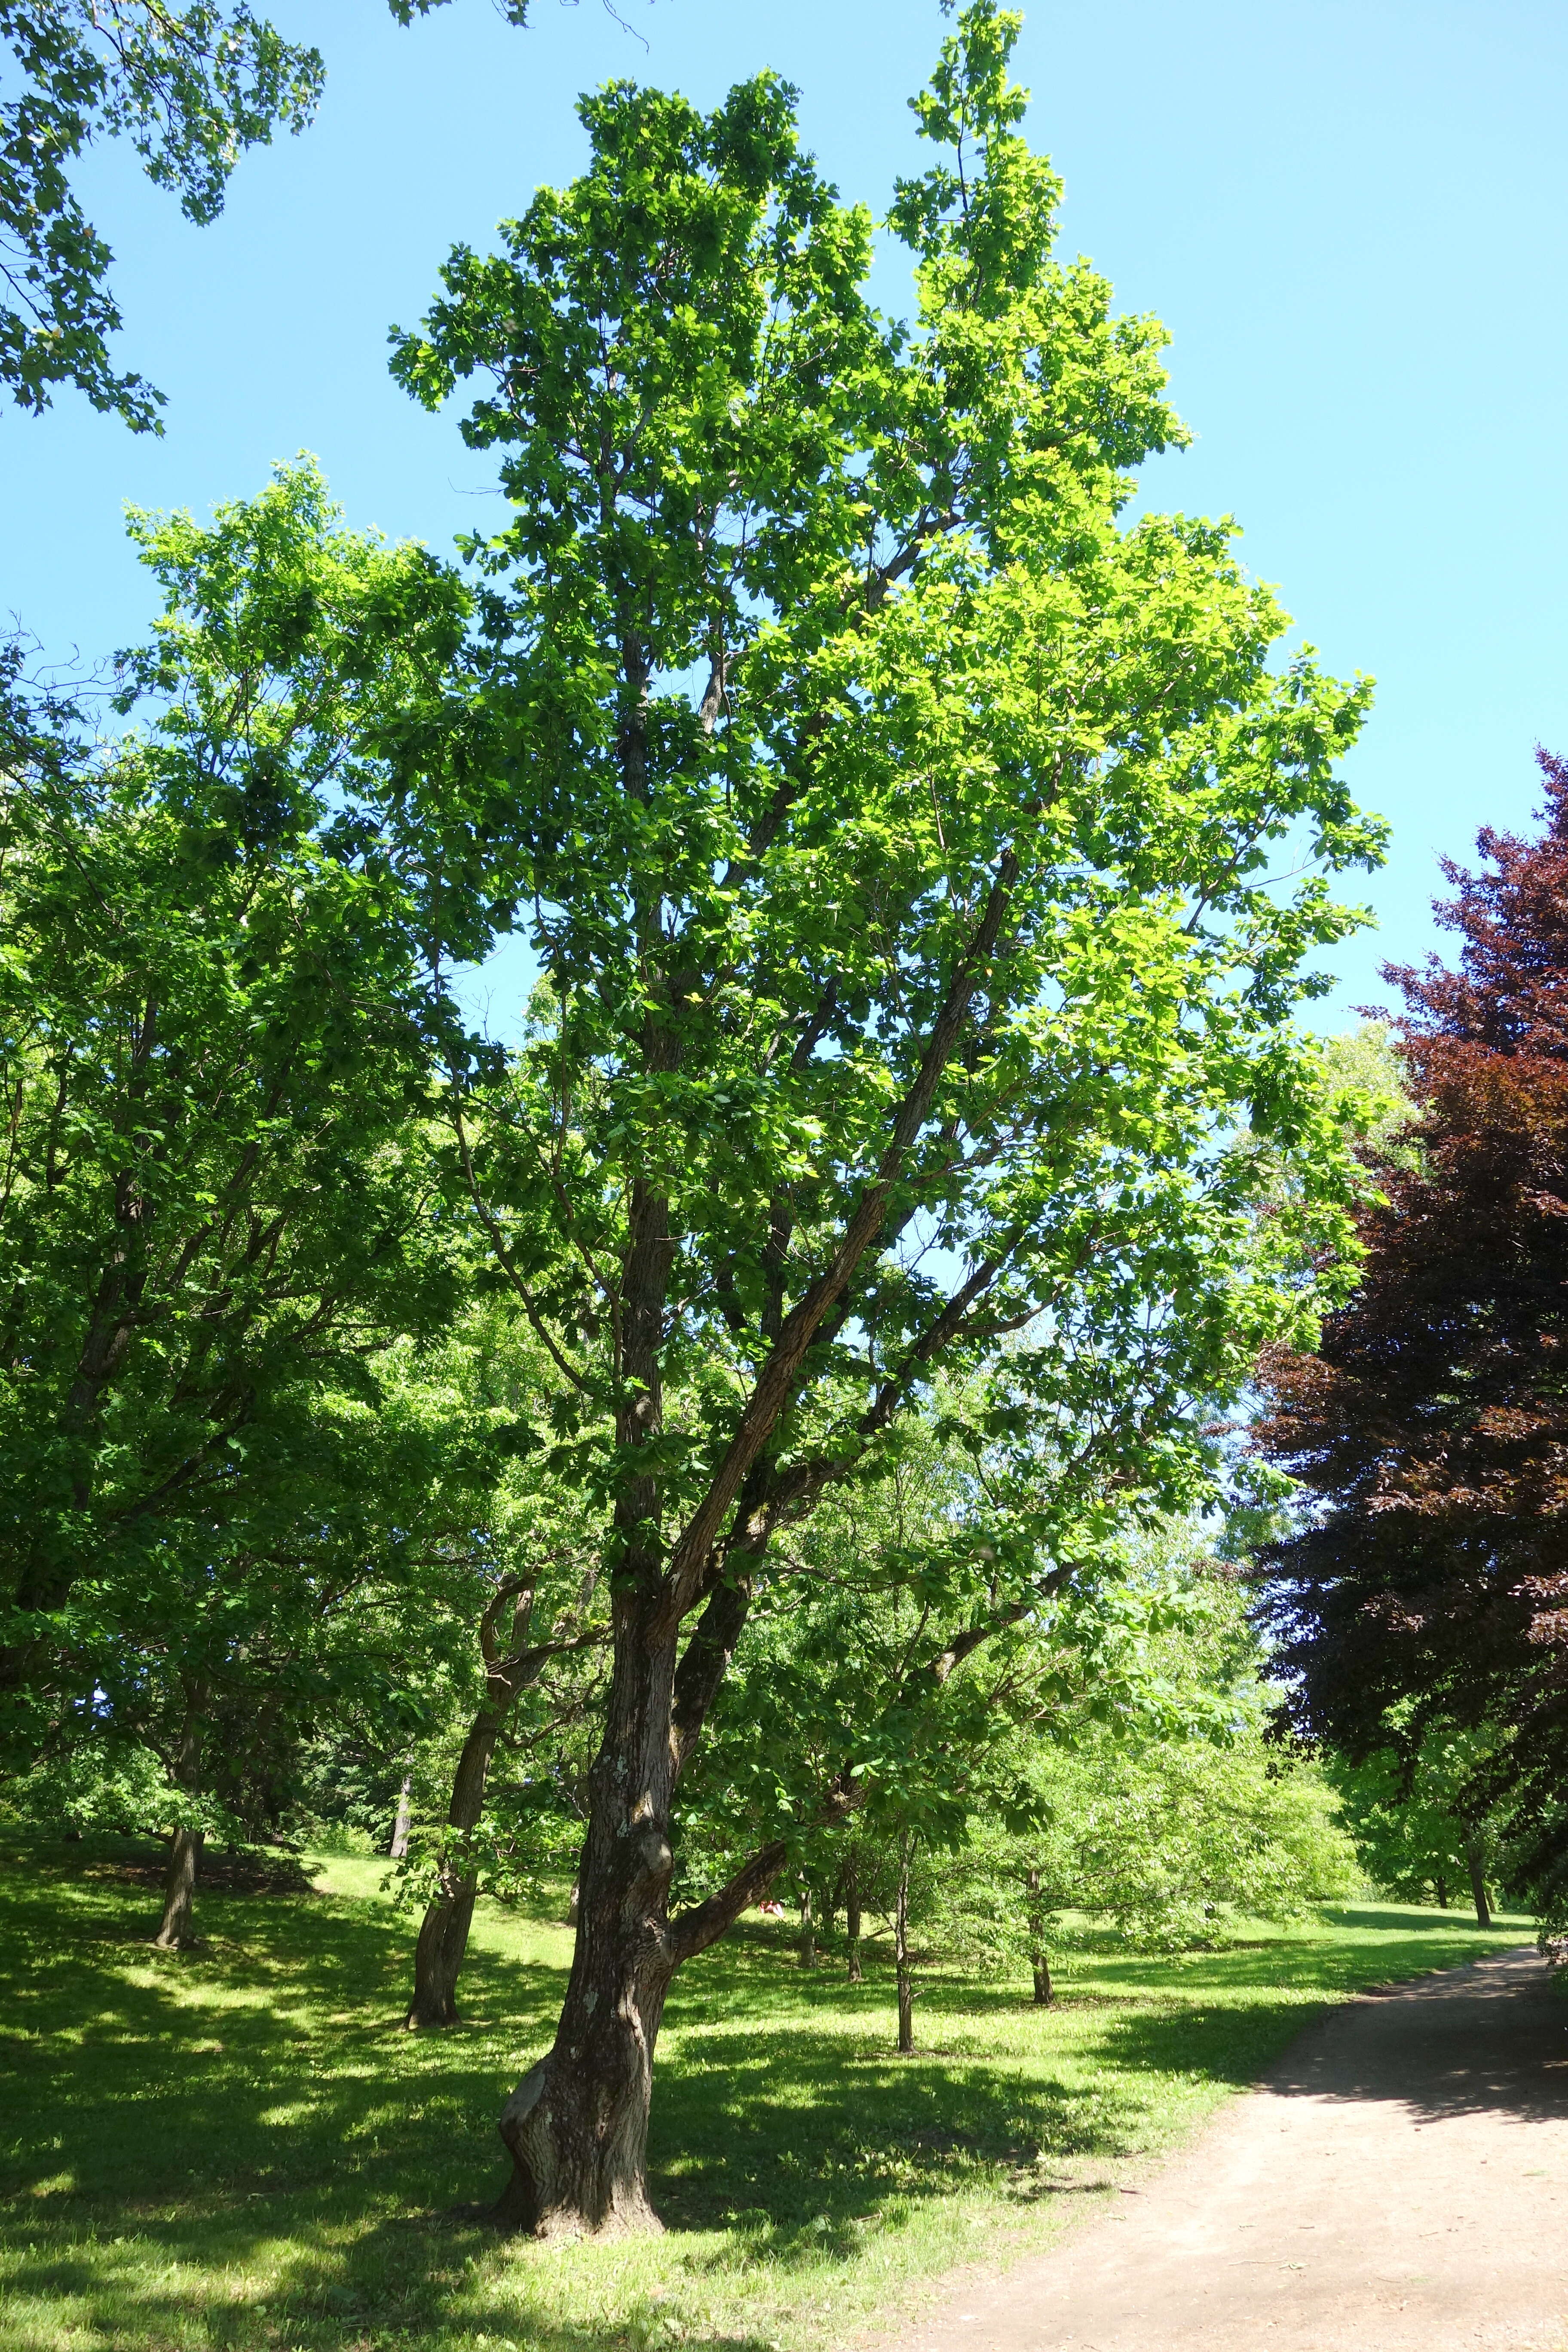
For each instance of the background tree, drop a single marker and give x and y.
(1415, 1820)
(1423, 1587)
(1165, 1813)
(863, 1730)
(219, 1181)
(332, 1598)
(536, 1630)
(934, 909)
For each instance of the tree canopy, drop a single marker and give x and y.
(216, 1045)
(1423, 1587)
(191, 84)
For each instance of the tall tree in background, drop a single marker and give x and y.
(1425, 1588)
(219, 1181)
(936, 911)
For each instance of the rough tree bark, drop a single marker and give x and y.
(576, 2126)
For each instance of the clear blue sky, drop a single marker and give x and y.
(1351, 214)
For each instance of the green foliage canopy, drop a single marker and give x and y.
(191, 87)
(220, 1185)
(894, 823)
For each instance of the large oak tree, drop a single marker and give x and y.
(893, 822)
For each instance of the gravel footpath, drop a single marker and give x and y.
(1398, 2182)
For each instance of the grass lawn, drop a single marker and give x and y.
(239, 2146)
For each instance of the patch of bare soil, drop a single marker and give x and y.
(1397, 2183)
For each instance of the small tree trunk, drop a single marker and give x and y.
(400, 1827)
(902, 1950)
(1476, 1861)
(807, 1931)
(1440, 1888)
(852, 1916)
(1039, 1959)
(179, 1890)
(444, 1932)
(185, 1853)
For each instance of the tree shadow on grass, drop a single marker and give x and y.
(253, 2114)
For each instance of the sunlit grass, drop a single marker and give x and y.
(240, 2147)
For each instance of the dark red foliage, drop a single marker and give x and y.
(1432, 1426)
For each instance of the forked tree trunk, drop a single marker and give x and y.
(1039, 1959)
(852, 1916)
(901, 1951)
(1475, 1862)
(576, 2126)
(401, 1826)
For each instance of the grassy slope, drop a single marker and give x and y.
(240, 2148)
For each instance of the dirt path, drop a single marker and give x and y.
(1397, 2183)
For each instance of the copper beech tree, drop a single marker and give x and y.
(893, 824)
(1423, 1596)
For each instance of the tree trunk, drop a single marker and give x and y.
(179, 1890)
(185, 1853)
(1474, 1859)
(852, 1917)
(901, 1951)
(400, 1827)
(576, 2126)
(444, 1932)
(807, 1931)
(1440, 1888)
(1039, 1959)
